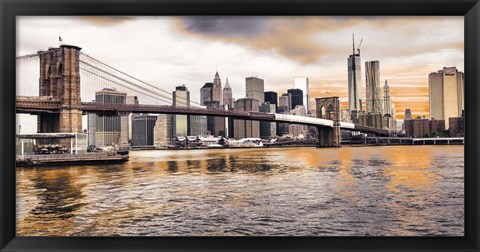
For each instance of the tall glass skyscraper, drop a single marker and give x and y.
(354, 81)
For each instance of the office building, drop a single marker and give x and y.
(131, 100)
(424, 127)
(284, 107)
(142, 130)
(408, 114)
(206, 93)
(372, 81)
(255, 89)
(268, 129)
(271, 97)
(374, 120)
(227, 95)
(215, 124)
(354, 80)
(388, 108)
(446, 93)
(284, 103)
(181, 123)
(206, 124)
(107, 130)
(302, 84)
(296, 96)
(246, 128)
(457, 126)
(298, 130)
(163, 130)
(217, 89)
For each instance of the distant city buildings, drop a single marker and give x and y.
(255, 89)
(446, 94)
(302, 84)
(424, 127)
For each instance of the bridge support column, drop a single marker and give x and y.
(60, 79)
(328, 137)
(329, 108)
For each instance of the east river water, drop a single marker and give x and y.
(347, 191)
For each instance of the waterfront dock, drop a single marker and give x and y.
(70, 159)
(407, 141)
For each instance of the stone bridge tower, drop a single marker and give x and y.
(329, 108)
(60, 79)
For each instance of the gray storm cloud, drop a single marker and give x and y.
(227, 26)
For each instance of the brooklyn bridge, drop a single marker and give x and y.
(68, 78)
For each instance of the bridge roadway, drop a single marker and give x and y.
(37, 105)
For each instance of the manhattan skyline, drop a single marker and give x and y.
(171, 51)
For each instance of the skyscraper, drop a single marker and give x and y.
(354, 80)
(131, 100)
(388, 113)
(217, 89)
(298, 130)
(227, 95)
(255, 89)
(206, 93)
(163, 130)
(268, 129)
(108, 129)
(142, 129)
(284, 103)
(246, 128)
(372, 78)
(302, 84)
(271, 97)
(181, 123)
(446, 93)
(215, 124)
(408, 114)
(387, 102)
(296, 96)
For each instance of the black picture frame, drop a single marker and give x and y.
(9, 9)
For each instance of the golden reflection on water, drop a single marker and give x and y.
(160, 191)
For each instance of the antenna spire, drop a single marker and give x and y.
(353, 44)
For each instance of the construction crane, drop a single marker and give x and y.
(359, 45)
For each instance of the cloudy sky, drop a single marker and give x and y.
(168, 51)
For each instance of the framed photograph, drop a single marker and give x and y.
(269, 125)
